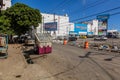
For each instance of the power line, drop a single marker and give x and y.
(68, 5)
(90, 19)
(115, 13)
(96, 3)
(95, 18)
(96, 14)
(65, 5)
(60, 5)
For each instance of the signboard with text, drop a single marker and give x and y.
(52, 26)
(103, 17)
(80, 27)
(102, 24)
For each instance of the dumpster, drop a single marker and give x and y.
(43, 43)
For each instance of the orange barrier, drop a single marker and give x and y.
(64, 42)
(86, 45)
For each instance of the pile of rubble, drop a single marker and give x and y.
(107, 47)
(97, 46)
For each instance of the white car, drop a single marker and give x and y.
(100, 38)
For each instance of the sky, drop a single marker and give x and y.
(79, 10)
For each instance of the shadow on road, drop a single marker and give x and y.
(87, 55)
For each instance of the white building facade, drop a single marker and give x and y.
(71, 27)
(63, 24)
(93, 27)
(6, 4)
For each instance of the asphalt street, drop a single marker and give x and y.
(72, 63)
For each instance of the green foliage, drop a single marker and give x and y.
(5, 25)
(22, 17)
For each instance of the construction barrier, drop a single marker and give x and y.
(41, 48)
(86, 45)
(44, 48)
(43, 43)
(64, 42)
(48, 48)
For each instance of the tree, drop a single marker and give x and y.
(22, 17)
(5, 25)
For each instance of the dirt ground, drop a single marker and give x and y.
(16, 68)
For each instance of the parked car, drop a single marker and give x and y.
(90, 36)
(22, 39)
(72, 38)
(83, 36)
(29, 41)
(100, 38)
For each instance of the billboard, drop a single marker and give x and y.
(80, 27)
(102, 27)
(102, 24)
(103, 17)
(52, 26)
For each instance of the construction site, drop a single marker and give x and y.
(73, 60)
(45, 40)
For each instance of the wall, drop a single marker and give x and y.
(89, 29)
(92, 28)
(7, 4)
(62, 23)
(95, 27)
(71, 27)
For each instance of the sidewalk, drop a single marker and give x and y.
(16, 68)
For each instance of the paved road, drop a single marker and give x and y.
(72, 63)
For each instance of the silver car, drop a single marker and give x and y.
(100, 38)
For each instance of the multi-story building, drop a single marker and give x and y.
(92, 27)
(62, 24)
(86, 28)
(5, 4)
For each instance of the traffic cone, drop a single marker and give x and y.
(64, 42)
(86, 45)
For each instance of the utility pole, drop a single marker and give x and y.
(54, 17)
(54, 22)
(43, 26)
